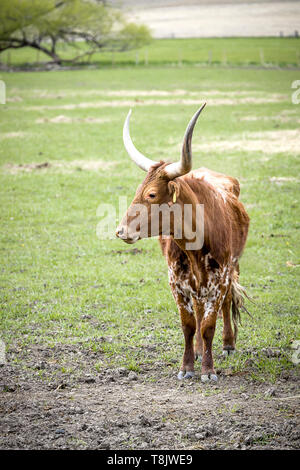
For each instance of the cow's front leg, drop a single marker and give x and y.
(199, 311)
(188, 323)
(208, 326)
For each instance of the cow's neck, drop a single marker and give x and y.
(188, 197)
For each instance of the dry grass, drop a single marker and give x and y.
(266, 142)
(12, 135)
(61, 119)
(42, 94)
(157, 102)
(59, 166)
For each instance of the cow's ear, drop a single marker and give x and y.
(174, 190)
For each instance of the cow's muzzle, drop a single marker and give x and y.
(123, 234)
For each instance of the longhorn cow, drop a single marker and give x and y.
(204, 281)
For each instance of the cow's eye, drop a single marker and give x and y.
(152, 195)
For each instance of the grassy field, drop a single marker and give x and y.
(265, 52)
(62, 155)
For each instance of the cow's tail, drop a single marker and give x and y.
(238, 302)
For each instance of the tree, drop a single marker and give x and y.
(43, 25)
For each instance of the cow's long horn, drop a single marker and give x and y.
(143, 162)
(185, 164)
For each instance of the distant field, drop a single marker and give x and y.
(265, 52)
(216, 18)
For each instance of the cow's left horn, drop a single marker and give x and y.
(143, 162)
(185, 164)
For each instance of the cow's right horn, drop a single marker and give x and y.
(143, 162)
(185, 163)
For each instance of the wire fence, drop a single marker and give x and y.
(171, 52)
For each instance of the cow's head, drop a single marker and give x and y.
(159, 188)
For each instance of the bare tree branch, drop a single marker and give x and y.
(43, 26)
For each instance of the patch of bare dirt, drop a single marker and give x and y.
(61, 119)
(279, 118)
(120, 93)
(60, 166)
(283, 179)
(286, 115)
(266, 142)
(12, 135)
(157, 102)
(45, 406)
(155, 92)
(14, 99)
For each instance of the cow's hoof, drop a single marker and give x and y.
(205, 378)
(228, 352)
(185, 375)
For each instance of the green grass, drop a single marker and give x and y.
(60, 284)
(234, 51)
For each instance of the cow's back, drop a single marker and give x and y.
(217, 180)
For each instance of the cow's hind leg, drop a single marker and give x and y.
(228, 335)
(212, 306)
